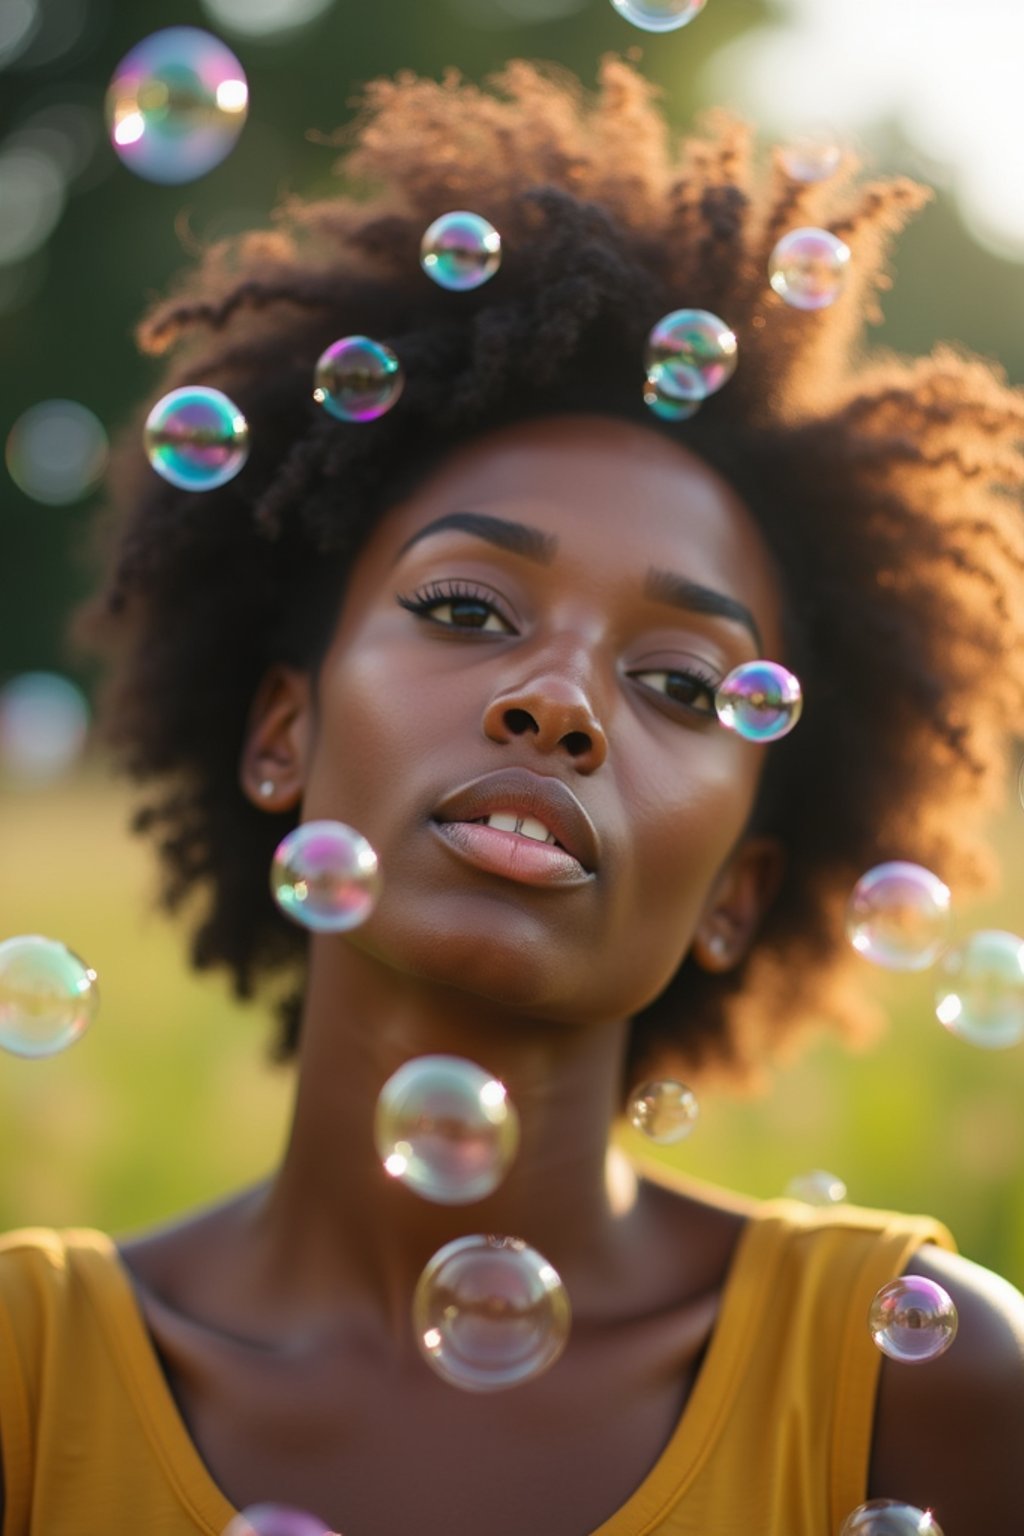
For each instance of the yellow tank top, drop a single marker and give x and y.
(775, 1437)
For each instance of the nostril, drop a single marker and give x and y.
(576, 743)
(519, 720)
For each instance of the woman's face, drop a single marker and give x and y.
(536, 635)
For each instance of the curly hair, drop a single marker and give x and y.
(887, 488)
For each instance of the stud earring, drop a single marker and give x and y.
(267, 787)
(717, 946)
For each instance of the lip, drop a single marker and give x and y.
(523, 793)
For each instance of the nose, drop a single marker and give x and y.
(555, 709)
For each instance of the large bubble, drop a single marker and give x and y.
(48, 996)
(196, 438)
(808, 268)
(357, 379)
(446, 1129)
(460, 251)
(664, 1111)
(700, 348)
(898, 916)
(760, 700)
(888, 1517)
(912, 1319)
(980, 992)
(325, 876)
(176, 105)
(659, 15)
(490, 1312)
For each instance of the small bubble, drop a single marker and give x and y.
(176, 105)
(196, 438)
(912, 1320)
(445, 1127)
(325, 877)
(898, 916)
(888, 1517)
(48, 996)
(57, 452)
(672, 391)
(817, 1188)
(698, 342)
(808, 268)
(44, 721)
(659, 15)
(665, 1111)
(490, 1312)
(357, 379)
(980, 994)
(812, 156)
(460, 251)
(759, 700)
(275, 1520)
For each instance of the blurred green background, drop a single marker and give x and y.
(169, 1102)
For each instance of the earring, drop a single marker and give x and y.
(718, 947)
(267, 787)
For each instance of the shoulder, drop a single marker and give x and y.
(946, 1430)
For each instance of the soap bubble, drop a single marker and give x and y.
(324, 876)
(811, 156)
(490, 1312)
(358, 379)
(460, 251)
(759, 700)
(196, 438)
(659, 15)
(56, 452)
(817, 1188)
(275, 1520)
(48, 996)
(445, 1127)
(44, 720)
(912, 1319)
(176, 105)
(697, 341)
(898, 916)
(808, 268)
(888, 1517)
(665, 1111)
(673, 391)
(980, 995)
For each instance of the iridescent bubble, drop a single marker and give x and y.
(888, 1517)
(446, 1128)
(44, 721)
(665, 1111)
(980, 995)
(275, 1520)
(898, 916)
(697, 341)
(490, 1312)
(358, 379)
(659, 15)
(460, 251)
(808, 268)
(812, 156)
(912, 1319)
(176, 105)
(673, 391)
(324, 876)
(817, 1188)
(759, 700)
(48, 996)
(56, 452)
(196, 438)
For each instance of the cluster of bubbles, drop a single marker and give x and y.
(888, 1517)
(912, 1319)
(325, 876)
(690, 354)
(760, 700)
(664, 1111)
(659, 15)
(48, 996)
(899, 916)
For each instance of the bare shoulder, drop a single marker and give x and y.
(948, 1432)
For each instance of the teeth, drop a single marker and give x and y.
(531, 827)
(526, 826)
(503, 822)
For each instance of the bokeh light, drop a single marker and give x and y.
(980, 989)
(325, 877)
(357, 379)
(196, 438)
(33, 190)
(44, 723)
(48, 996)
(808, 267)
(56, 452)
(817, 1187)
(664, 1111)
(760, 700)
(912, 1320)
(899, 916)
(446, 1129)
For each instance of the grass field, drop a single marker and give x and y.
(169, 1101)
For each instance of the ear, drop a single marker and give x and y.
(278, 735)
(741, 896)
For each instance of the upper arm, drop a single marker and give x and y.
(949, 1433)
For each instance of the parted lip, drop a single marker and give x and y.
(527, 794)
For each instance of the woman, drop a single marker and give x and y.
(515, 595)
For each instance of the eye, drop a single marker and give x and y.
(692, 689)
(457, 606)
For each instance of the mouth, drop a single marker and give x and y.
(524, 825)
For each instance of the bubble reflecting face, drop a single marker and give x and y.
(48, 996)
(980, 994)
(275, 1520)
(56, 452)
(460, 251)
(176, 105)
(808, 268)
(196, 438)
(912, 1320)
(760, 701)
(817, 1188)
(700, 348)
(659, 15)
(44, 720)
(325, 877)
(489, 1313)
(898, 916)
(888, 1517)
(445, 1127)
(664, 1111)
(357, 379)
(812, 156)
(672, 391)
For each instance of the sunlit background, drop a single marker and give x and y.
(168, 1101)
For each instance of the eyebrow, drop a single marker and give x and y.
(667, 587)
